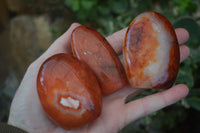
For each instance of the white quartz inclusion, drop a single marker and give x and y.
(69, 102)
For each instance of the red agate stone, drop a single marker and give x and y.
(93, 49)
(68, 91)
(151, 52)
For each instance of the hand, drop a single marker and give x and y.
(27, 113)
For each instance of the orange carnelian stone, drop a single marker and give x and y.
(93, 49)
(151, 52)
(68, 91)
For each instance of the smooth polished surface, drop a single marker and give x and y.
(93, 49)
(151, 52)
(68, 91)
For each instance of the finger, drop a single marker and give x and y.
(184, 52)
(124, 94)
(182, 35)
(149, 104)
(61, 45)
(116, 40)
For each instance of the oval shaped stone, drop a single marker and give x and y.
(93, 49)
(151, 52)
(68, 91)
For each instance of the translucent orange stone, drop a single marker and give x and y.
(68, 91)
(93, 49)
(151, 52)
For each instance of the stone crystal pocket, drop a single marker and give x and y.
(68, 91)
(151, 52)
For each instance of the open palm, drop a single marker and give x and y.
(27, 113)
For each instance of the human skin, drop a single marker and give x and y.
(27, 113)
